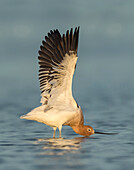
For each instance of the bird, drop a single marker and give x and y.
(58, 56)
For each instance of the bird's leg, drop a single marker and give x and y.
(54, 128)
(60, 127)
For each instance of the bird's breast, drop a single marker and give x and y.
(75, 120)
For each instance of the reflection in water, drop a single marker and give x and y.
(60, 146)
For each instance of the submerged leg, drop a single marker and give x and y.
(60, 127)
(54, 128)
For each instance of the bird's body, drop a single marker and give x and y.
(56, 118)
(57, 60)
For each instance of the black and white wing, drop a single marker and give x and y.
(57, 60)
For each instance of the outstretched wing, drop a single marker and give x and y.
(57, 60)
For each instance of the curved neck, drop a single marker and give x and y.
(79, 129)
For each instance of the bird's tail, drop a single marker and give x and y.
(35, 114)
(25, 117)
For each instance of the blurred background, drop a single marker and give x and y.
(105, 45)
(103, 82)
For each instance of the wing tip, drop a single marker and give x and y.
(71, 37)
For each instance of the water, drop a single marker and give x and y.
(103, 85)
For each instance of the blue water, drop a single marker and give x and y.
(103, 85)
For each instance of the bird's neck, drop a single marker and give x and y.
(79, 129)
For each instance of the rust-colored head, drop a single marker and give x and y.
(84, 130)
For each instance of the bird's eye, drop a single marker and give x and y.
(88, 129)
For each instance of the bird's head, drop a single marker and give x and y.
(88, 130)
(84, 130)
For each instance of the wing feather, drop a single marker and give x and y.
(57, 60)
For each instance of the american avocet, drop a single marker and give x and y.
(57, 60)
